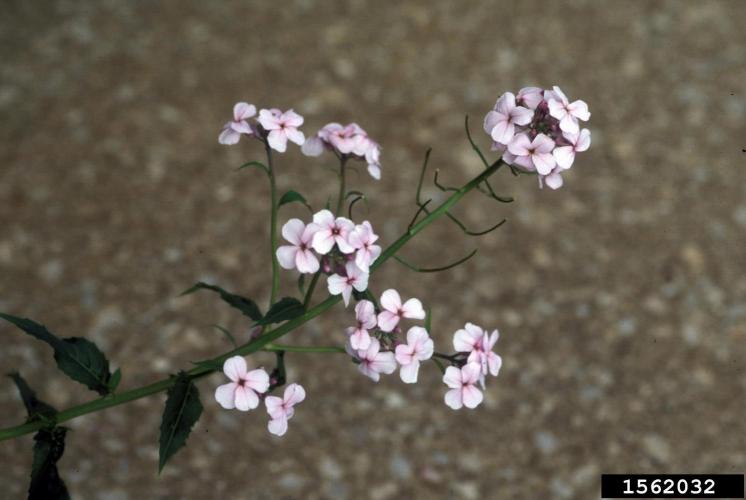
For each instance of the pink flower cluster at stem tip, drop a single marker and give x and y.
(539, 131)
(346, 140)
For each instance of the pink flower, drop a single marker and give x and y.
(241, 392)
(553, 180)
(479, 344)
(298, 253)
(500, 122)
(349, 141)
(568, 113)
(530, 97)
(281, 127)
(394, 311)
(373, 362)
(533, 155)
(419, 347)
(232, 130)
(355, 278)
(579, 142)
(331, 231)
(281, 409)
(365, 314)
(362, 238)
(462, 382)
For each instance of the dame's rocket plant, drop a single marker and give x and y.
(535, 131)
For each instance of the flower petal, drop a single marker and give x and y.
(453, 399)
(390, 300)
(235, 368)
(408, 373)
(245, 399)
(278, 426)
(258, 380)
(278, 141)
(387, 321)
(294, 394)
(224, 395)
(286, 256)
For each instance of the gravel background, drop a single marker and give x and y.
(620, 298)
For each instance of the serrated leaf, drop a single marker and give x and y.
(292, 197)
(34, 406)
(247, 306)
(183, 409)
(285, 309)
(46, 483)
(78, 358)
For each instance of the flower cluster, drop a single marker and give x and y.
(273, 125)
(343, 250)
(538, 130)
(246, 388)
(346, 141)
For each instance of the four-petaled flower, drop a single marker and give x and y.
(281, 127)
(355, 278)
(479, 344)
(462, 382)
(365, 315)
(373, 362)
(419, 347)
(500, 122)
(533, 155)
(241, 391)
(362, 238)
(232, 130)
(299, 253)
(568, 113)
(394, 310)
(579, 142)
(281, 409)
(330, 231)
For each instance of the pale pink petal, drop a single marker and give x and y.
(323, 241)
(584, 140)
(293, 230)
(569, 123)
(579, 109)
(471, 396)
(336, 284)
(404, 354)
(278, 141)
(369, 372)
(306, 261)
(268, 120)
(384, 362)
(323, 218)
(229, 137)
(490, 120)
(235, 368)
(292, 119)
(365, 313)
(243, 111)
(503, 132)
(346, 295)
(564, 156)
(505, 103)
(374, 170)
(408, 373)
(452, 377)
(286, 256)
(544, 162)
(554, 180)
(387, 321)
(453, 398)
(225, 395)
(519, 145)
(242, 127)
(294, 394)
(258, 380)
(413, 309)
(295, 135)
(313, 146)
(390, 300)
(521, 115)
(470, 373)
(245, 399)
(494, 362)
(360, 339)
(465, 340)
(278, 426)
(274, 406)
(557, 109)
(417, 336)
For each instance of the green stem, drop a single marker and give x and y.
(341, 197)
(299, 348)
(311, 287)
(273, 228)
(256, 344)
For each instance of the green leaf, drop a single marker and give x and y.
(46, 483)
(294, 196)
(257, 164)
(182, 411)
(77, 357)
(34, 406)
(116, 377)
(302, 284)
(247, 306)
(227, 333)
(285, 309)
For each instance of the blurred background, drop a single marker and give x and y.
(620, 299)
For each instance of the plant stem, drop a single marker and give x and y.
(299, 348)
(341, 197)
(273, 228)
(257, 343)
(311, 287)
